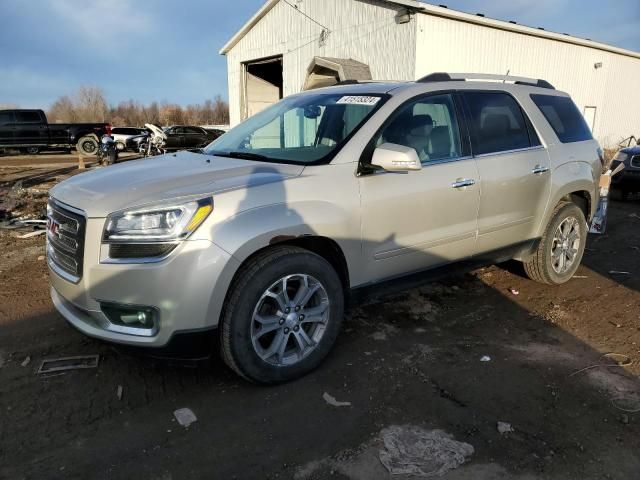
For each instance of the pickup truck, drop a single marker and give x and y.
(29, 131)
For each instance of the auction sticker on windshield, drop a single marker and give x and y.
(358, 100)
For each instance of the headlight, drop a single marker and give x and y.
(157, 224)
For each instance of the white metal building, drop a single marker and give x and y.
(290, 45)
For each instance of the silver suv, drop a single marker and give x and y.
(259, 237)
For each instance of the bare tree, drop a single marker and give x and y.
(89, 105)
(62, 111)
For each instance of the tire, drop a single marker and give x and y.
(87, 145)
(32, 150)
(245, 350)
(544, 267)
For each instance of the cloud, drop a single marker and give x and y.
(110, 23)
(36, 88)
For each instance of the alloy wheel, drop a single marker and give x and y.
(290, 319)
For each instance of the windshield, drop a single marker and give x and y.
(304, 129)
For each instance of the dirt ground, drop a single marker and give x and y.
(410, 354)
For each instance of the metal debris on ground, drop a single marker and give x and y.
(185, 416)
(333, 402)
(514, 291)
(619, 272)
(504, 427)
(35, 233)
(26, 361)
(485, 358)
(119, 391)
(411, 450)
(69, 363)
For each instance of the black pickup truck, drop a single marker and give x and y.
(28, 131)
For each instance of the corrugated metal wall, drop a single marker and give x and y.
(362, 30)
(366, 30)
(614, 89)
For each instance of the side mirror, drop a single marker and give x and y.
(396, 158)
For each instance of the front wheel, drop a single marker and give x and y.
(561, 247)
(282, 315)
(87, 145)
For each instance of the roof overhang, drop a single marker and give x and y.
(425, 8)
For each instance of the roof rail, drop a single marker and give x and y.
(448, 77)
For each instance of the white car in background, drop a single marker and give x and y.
(122, 134)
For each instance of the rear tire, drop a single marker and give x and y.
(269, 336)
(32, 150)
(561, 247)
(87, 145)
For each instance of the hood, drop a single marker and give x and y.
(180, 175)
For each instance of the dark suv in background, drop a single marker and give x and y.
(628, 180)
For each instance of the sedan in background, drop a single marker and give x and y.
(185, 137)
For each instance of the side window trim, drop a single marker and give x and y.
(367, 153)
(529, 125)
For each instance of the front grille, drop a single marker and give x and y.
(65, 239)
(635, 161)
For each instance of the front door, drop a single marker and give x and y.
(31, 128)
(7, 127)
(421, 219)
(514, 170)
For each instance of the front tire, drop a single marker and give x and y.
(87, 145)
(282, 315)
(561, 247)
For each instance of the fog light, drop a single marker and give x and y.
(130, 315)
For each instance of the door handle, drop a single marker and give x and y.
(539, 170)
(464, 182)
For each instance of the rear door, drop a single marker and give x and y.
(514, 169)
(421, 219)
(31, 128)
(7, 128)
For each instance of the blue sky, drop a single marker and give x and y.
(168, 50)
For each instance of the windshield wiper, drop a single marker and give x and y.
(243, 155)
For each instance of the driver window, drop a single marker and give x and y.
(429, 126)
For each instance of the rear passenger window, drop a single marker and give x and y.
(28, 117)
(497, 123)
(428, 125)
(564, 117)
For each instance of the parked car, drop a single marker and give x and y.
(29, 131)
(184, 137)
(628, 180)
(256, 240)
(122, 135)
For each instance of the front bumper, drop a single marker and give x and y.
(186, 289)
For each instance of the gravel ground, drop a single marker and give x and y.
(410, 354)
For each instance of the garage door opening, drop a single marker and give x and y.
(263, 85)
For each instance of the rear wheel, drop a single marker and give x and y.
(87, 145)
(560, 250)
(282, 316)
(32, 150)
